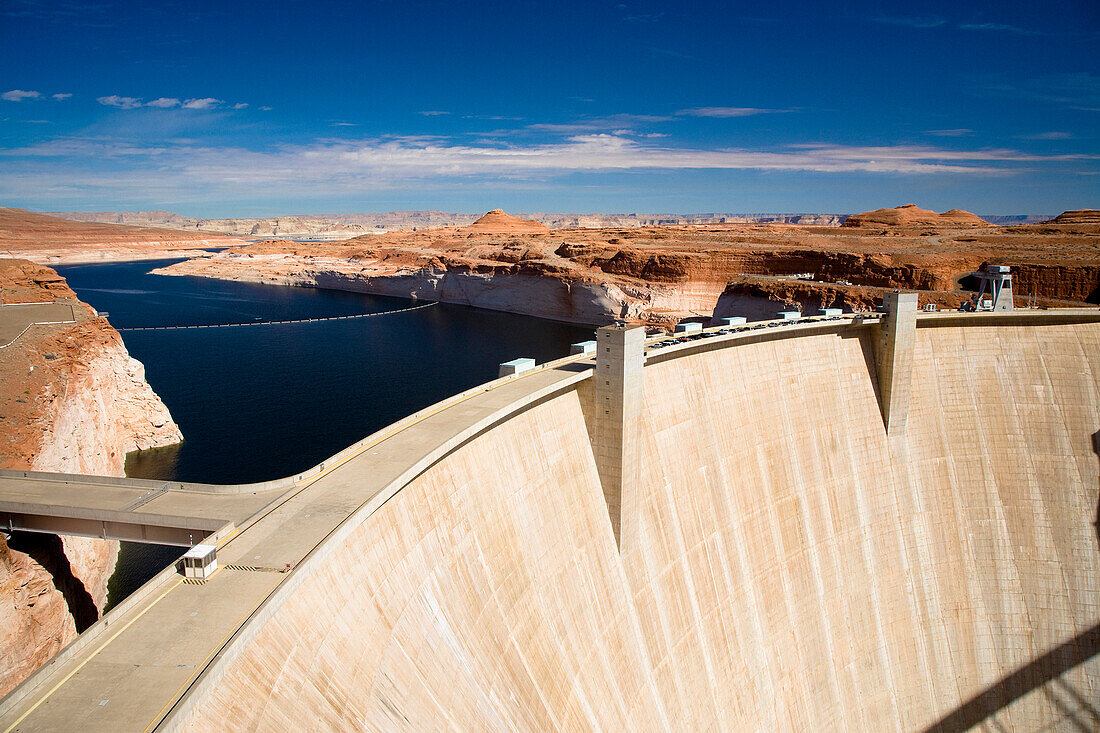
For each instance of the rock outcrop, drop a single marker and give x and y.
(71, 399)
(51, 240)
(1078, 216)
(909, 215)
(497, 222)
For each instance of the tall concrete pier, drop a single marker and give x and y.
(619, 389)
(894, 356)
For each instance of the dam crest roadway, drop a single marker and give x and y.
(784, 516)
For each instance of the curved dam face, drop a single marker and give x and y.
(784, 564)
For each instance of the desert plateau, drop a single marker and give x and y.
(660, 275)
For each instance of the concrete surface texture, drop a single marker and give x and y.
(789, 567)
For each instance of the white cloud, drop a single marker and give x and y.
(203, 103)
(121, 102)
(341, 165)
(19, 95)
(725, 111)
(954, 132)
(998, 27)
(616, 123)
(265, 109)
(1053, 135)
(62, 97)
(240, 105)
(164, 102)
(434, 113)
(921, 23)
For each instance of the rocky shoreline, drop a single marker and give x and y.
(662, 275)
(71, 399)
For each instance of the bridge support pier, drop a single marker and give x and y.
(894, 358)
(619, 391)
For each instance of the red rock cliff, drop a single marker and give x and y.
(71, 399)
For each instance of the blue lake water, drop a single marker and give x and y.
(265, 401)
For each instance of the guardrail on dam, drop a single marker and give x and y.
(790, 552)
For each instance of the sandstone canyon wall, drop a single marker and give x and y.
(71, 399)
(661, 275)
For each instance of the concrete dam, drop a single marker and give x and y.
(867, 524)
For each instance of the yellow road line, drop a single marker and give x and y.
(89, 658)
(217, 647)
(303, 484)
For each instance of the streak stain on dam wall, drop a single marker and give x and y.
(788, 567)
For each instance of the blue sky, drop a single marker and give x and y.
(280, 107)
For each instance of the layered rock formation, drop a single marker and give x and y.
(1079, 216)
(71, 399)
(660, 275)
(497, 222)
(909, 215)
(51, 240)
(342, 226)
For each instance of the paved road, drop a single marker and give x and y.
(129, 669)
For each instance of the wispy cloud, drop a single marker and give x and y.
(115, 100)
(240, 105)
(434, 113)
(920, 23)
(954, 132)
(104, 167)
(606, 123)
(1076, 90)
(203, 103)
(62, 96)
(1052, 135)
(726, 111)
(20, 95)
(999, 28)
(644, 17)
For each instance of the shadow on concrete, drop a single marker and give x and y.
(1096, 450)
(1044, 672)
(870, 360)
(47, 551)
(1034, 675)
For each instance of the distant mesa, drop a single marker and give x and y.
(497, 222)
(913, 215)
(1080, 216)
